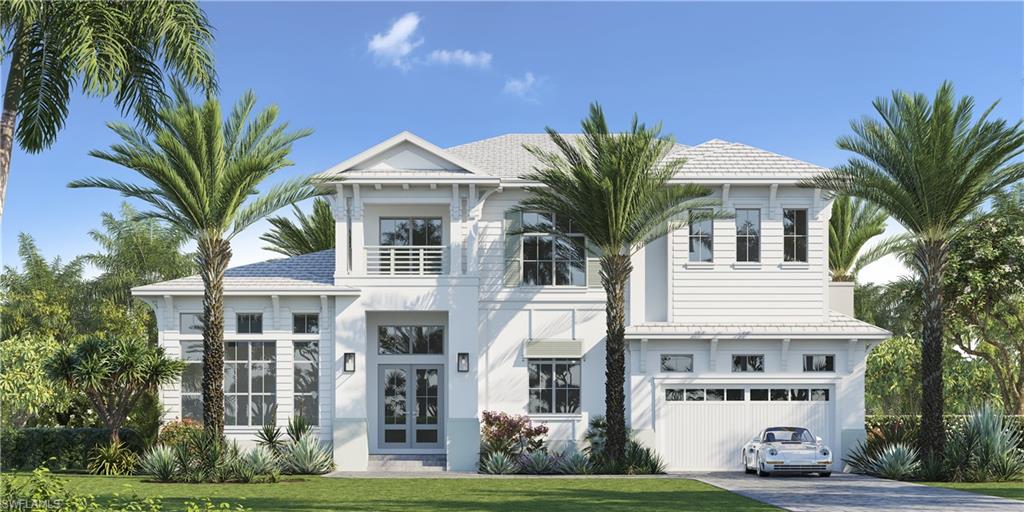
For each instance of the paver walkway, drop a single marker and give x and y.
(853, 493)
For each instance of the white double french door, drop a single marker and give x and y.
(411, 406)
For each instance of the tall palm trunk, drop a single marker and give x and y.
(932, 257)
(9, 118)
(615, 270)
(213, 255)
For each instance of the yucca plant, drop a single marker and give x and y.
(200, 173)
(297, 427)
(270, 437)
(160, 463)
(113, 458)
(986, 448)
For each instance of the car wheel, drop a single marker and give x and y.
(746, 467)
(760, 471)
(825, 474)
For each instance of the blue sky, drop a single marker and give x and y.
(786, 77)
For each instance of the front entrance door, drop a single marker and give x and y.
(411, 406)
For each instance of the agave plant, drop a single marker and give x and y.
(536, 463)
(641, 460)
(297, 427)
(160, 463)
(307, 456)
(499, 463)
(986, 448)
(263, 462)
(895, 461)
(575, 464)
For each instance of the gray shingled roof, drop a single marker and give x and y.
(837, 325)
(313, 270)
(505, 157)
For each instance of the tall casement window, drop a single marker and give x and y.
(410, 339)
(701, 235)
(306, 323)
(411, 231)
(794, 235)
(307, 380)
(250, 385)
(554, 386)
(748, 235)
(250, 323)
(743, 363)
(552, 260)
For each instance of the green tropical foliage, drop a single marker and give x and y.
(929, 164)
(118, 49)
(307, 234)
(26, 389)
(113, 373)
(614, 189)
(853, 223)
(200, 175)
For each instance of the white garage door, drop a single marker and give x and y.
(703, 427)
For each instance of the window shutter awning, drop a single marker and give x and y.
(553, 349)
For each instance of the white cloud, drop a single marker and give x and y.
(461, 58)
(524, 87)
(395, 46)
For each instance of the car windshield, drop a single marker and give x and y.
(788, 435)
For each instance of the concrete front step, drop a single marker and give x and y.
(407, 463)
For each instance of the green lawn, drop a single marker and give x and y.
(439, 494)
(1014, 490)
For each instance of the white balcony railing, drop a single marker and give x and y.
(406, 260)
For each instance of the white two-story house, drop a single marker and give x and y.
(434, 307)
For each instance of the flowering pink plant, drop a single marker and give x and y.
(512, 434)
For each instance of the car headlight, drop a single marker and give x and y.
(824, 452)
(773, 452)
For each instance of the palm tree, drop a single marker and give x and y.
(854, 222)
(613, 188)
(929, 164)
(311, 234)
(106, 48)
(201, 172)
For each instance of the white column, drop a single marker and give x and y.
(358, 236)
(340, 234)
(455, 236)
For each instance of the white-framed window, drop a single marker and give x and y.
(794, 234)
(701, 235)
(550, 260)
(306, 323)
(190, 323)
(249, 323)
(307, 380)
(554, 386)
(705, 395)
(250, 385)
(789, 394)
(410, 339)
(742, 363)
(421, 231)
(748, 235)
(677, 363)
(819, 363)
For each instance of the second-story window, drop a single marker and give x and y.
(250, 323)
(306, 323)
(794, 235)
(549, 259)
(701, 235)
(410, 231)
(748, 235)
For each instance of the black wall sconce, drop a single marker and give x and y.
(350, 362)
(463, 362)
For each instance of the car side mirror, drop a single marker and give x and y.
(818, 439)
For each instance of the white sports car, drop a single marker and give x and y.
(786, 450)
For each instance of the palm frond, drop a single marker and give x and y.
(310, 233)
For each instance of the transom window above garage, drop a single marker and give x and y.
(789, 394)
(704, 394)
(676, 363)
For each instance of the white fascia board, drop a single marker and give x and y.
(334, 173)
(238, 292)
(757, 336)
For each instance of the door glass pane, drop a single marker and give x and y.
(394, 436)
(395, 397)
(426, 436)
(426, 397)
(393, 340)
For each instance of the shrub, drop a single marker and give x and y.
(640, 460)
(307, 456)
(177, 431)
(986, 448)
(270, 437)
(64, 449)
(575, 464)
(895, 461)
(499, 463)
(536, 463)
(297, 427)
(264, 463)
(160, 463)
(512, 434)
(113, 458)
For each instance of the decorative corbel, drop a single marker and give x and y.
(785, 354)
(713, 354)
(851, 351)
(643, 355)
(773, 191)
(276, 301)
(725, 195)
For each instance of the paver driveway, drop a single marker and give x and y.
(854, 493)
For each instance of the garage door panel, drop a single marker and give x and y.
(702, 435)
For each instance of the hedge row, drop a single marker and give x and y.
(904, 428)
(59, 449)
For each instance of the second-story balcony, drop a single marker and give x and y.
(406, 260)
